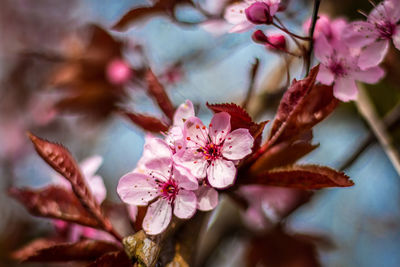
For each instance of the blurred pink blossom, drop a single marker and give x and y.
(118, 72)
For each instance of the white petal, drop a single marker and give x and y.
(157, 217)
(221, 173)
(137, 189)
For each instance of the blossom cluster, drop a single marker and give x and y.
(180, 173)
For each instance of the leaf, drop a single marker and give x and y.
(58, 157)
(160, 7)
(157, 91)
(302, 106)
(284, 153)
(54, 202)
(302, 177)
(278, 248)
(86, 250)
(147, 122)
(240, 119)
(111, 259)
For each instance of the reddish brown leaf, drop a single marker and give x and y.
(86, 250)
(277, 248)
(157, 91)
(147, 122)
(284, 153)
(111, 259)
(59, 158)
(240, 119)
(32, 247)
(302, 106)
(303, 177)
(54, 202)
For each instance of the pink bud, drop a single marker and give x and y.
(276, 42)
(259, 37)
(258, 13)
(118, 72)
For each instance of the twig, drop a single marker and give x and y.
(311, 34)
(368, 112)
(391, 121)
(250, 89)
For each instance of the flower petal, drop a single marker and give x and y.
(182, 113)
(373, 54)
(221, 173)
(195, 133)
(325, 76)
(97, 187)
(235, 14)
(396, 38)
(371, 75)
(185, 204)
(137, 189)
(345, 89)
(184, 178)
(237, 144)
(157, 217)
(360, 33)
(157, 156)
(207, 198)
(220, 126)
(90, 165)
(193, 160)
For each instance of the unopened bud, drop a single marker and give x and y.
(258, 13)
(259, 37)
(276, 42)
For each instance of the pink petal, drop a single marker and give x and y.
(195, 133)
(216, 27)
(182, 113)
(184, 178)
(89, 166)
(323, 49)
(97, 187)
(185, 204)
(207, 198)
(387, 10)
(175, 138)
(396, 38)
(360, 33)
(221, 173)
(241, 27)
(235, 14)
(373, 54)
(157, 217)
(325, 76)
(371, 75)
(220, 126)
(345, 89)
(157, 155)
(137, 189)
(237, 144)
(192, 160)
(132, 212)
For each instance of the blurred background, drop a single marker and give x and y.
(40, 44)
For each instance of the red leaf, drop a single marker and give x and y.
(240, 119)
(303, 177)
(61, 161)
(157, 91)
(111, 259)
(302, 106)
(54, 202)
(278, 248)
(284, 153)
(86, 250)
(147, 122)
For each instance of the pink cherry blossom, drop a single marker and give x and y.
(249, 12)
(118, 72)
(338, 65)
(331, 29)
(166, 185)
(211, 152)
(375, 34)
(207, 197)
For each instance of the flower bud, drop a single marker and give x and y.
(118, 72)
(276, 42)
(258, 13)
(259, 37)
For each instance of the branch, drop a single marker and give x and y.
(250, 89)
(311, 34)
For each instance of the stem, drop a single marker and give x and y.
(284, 29)
(311, 34)
(250, 89)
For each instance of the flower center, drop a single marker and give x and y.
(386, 29)
(337, 68)
(169, 190)
(211, 151)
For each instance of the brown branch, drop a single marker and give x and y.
(311, 34)
(250, 89)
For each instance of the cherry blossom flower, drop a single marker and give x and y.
(166, 186)
(249, 12)
(331, 29)
(340, 66)
(375, 34)
(212, 152)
